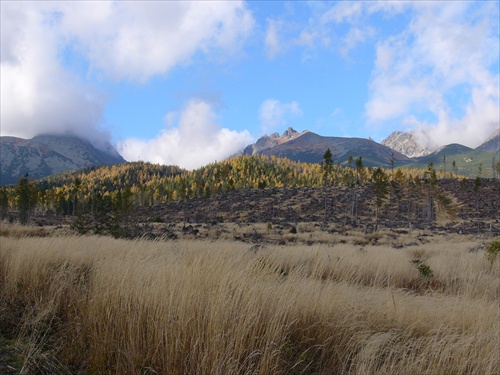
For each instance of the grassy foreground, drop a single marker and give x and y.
(98, 305)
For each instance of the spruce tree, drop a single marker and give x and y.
(26, 193)
(381, 189)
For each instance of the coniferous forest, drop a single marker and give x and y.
(105, 199)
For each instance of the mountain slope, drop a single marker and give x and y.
(309, 147)
(47, 154)
(406, 143)
(492, 144)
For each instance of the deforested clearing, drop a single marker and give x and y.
(98, 305)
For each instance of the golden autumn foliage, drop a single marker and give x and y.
(152, 184)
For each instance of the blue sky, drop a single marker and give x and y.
(188, 83)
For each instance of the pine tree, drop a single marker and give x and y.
(4, 203)
(26, 196)
(381, 189)
(327, 167)
(359, 169)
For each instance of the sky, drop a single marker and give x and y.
(190, 83)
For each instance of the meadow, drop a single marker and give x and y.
(356, 304)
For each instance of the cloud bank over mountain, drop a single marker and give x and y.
(38, 94)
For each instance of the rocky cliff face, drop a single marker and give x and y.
(492, 144)
(45, 155)
(406, 143)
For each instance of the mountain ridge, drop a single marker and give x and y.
(309, 147)
(44, 155)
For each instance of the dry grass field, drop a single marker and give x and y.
(356, 304)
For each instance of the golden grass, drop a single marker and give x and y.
(20, 231)
(103, 306)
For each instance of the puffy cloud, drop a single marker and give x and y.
(122, 40)
(195, 140)
(445, 54)
(272, 113)
(481, 119)
(137, 40)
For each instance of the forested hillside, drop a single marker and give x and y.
(108, 195)
(151, 184)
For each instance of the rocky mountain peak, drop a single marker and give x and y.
(290, 133)
(269, 141)
(406, 143)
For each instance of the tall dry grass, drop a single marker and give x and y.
(102, 306)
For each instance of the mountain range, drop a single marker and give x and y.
(45, 155)
(401, 147)
(309, 147)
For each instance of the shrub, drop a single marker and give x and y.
(425, 272)
(493, 250)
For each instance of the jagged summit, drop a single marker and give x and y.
(291, 133)
(268, 141)
(406, 143)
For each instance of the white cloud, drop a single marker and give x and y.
(354, 37)
(480, 120)
(273, 114)
(328, 23)
(196, 140)
(272, 42)
(447, 49)
(343, 11)
(122, 40)
(137, 40)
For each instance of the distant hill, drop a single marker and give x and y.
(405, 143)
(309, 147)
(45, 155)
(492, 144)
(468, 161)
